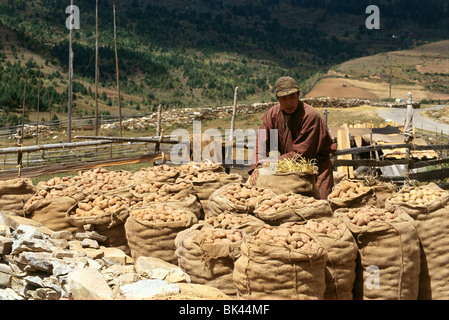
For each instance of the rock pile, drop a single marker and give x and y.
(30, 131)
(327, 102)
(37, 263)
(187, 116)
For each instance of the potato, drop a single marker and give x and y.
(365, 215)
(214, 235)
(283, 201)
(243, 195)
(347, 189)
(285, 236)
(160, 213)
(418, 196)
(100, 206)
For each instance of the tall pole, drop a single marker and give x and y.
(70, 103)
(96, 71)
(37, 117)
(117, 70)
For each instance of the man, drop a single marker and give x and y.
(301, 131)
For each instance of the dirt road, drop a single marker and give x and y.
(420, 122)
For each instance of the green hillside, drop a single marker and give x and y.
(181, 53)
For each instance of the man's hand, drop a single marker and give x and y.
(263, 162)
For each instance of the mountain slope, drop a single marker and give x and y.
(181, 53)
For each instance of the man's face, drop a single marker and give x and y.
(289, 103)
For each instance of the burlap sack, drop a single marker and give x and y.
(219, 203)
(388, 264)
(184, 200)
(14, 194)
(432, 223)
(341, 260)
(249, 224)
(99, 181)
(273, 271)
(110, 225)
(381, 192)
(204, 188)
(295, 213)
(296, 182)
(52, 212)
(361, 199)
(195, 167)
(209, 264)
(144, 176)
(155, 239)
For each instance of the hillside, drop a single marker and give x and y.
(423, 70)
(194, 53)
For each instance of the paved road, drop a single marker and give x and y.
(420, 122)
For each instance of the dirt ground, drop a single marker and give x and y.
(350, 88)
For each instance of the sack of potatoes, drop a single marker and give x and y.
(151, 230)
(280, 263)
(231, 221)
(236, 198)
(291, 207)
(342, 254)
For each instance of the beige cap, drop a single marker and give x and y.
(286, 86)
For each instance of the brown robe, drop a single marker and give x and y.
(306, 134)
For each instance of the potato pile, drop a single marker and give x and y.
(246, 195)
(159, 214)
(200, 176)
(192, 168)
(418, 196)
(100, 206)
(282, 201)
(156, 172)
(333, 227)
(156, 197)
(160, 187)
(286, 237)
(64, 181)
(212, 235)
(51, 193)
(363, 216)
(101, 180)
(349, 189)
(225, 221)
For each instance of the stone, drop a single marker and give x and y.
(60, 243)
(5, 245)
(37, 261)
(155, 268)
(60, 253)
(88, 284)
(28, 238)
(91, 253)
(145, 289)
(46, 294)
(5, 231)
(5, 280)
(90, 243)
(20, 286)
(90, 235)
(14, 222)
(10, 294)
(116, 256)
(62, 235)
